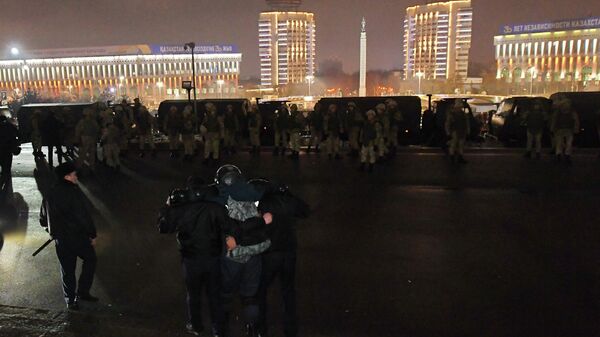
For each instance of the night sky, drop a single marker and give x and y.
(38, 24)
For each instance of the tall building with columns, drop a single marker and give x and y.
(132, 70)
(437, 40)
(558, 51)
(287, 44)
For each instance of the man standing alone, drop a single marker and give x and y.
(74, 232)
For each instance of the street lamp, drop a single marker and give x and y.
(191, 46)
(533, 73)
(14, 51)
(309, 79)
(220, 83)
(160, 85)
(419, 75)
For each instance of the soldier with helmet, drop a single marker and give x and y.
(144, 124)
(316, 127)
(212, 129)
(296, 126)
(281, 126)
(368, 136)
(565, 124)
(88, 133)
(457, 128)
(231, 127)
(383, 120)
(172, 125)
(396, 120)
(36, 134)
(188, 133)
(254, 127)
(355, 120)
(332, 125)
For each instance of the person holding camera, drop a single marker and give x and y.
(9, 147)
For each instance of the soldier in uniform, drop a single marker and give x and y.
(172, 125)
(123, 123)
(111, 138)
(565, 123)
(87, 131)
(382, 136)
(254, 126)
(231, 128)
(315, 120)
(332, 125)
(144, 123)
(281, 125)
(535, 120)
(368, 135)
(296, 125)
(51, 135)
(36, 134)
(213, 126)
(396, 119)
(188, 133)
(457, 128)
(355, 123)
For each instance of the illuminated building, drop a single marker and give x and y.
(286, 47)
(437, 40)
(132, 70)
(560, 51)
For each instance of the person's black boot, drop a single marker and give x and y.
(72, 304)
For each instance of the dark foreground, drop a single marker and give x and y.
(499, 247)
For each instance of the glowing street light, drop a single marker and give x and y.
(533, 73)
(14, 51)
(160, 85)
(309, 79)
(220, 83)
(420, 75)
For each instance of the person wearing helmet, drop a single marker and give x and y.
(144, 124)
(368, 136)
(254, 126)
(187, 133)
(231, 126)
(457, 128)
(381, 140)
(242, 264)
(172, 126)
(396, 120)
(535, 121)
(355, 123)
(281, 126)
(213, 125)
(296, 126)
(332, 125)
(36, 134)
(315, 120)
(88, 133)
(565, 124)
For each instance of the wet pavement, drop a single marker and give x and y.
(502, 246)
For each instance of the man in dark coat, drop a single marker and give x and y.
(279, 261)
(9, 146)
(73, 230)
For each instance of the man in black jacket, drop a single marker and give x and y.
(9, 146)
(74, 232)
(199, 225)
(280, 259)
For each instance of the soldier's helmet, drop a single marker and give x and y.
(371, 113)
(228, 175)
(380, 107)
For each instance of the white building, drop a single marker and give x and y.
(560, 51)
(437, 40)
(132, 70)
(287, 47)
